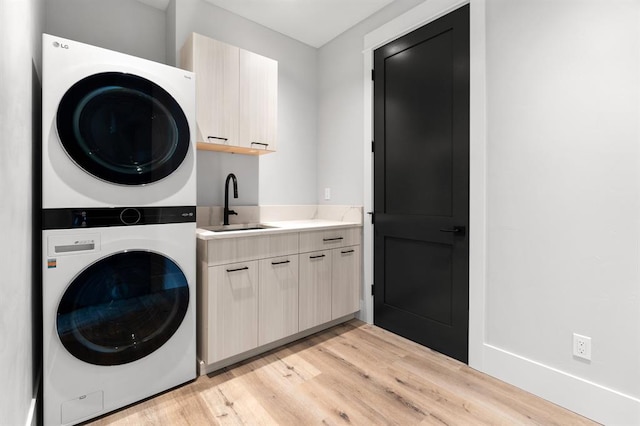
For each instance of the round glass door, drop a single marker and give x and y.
(122, 308)
(123, 128)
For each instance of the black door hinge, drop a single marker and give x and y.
(373, 217)
(373, 146)
(372, 289)
(373, 75)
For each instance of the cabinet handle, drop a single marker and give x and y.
(217, 137)
(347, 251)
(317, 256)
(244, 268)
(328, 240)
(260, 143)
(280, 263)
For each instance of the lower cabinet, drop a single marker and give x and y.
(278, 299)
(315, 289)
(345, 273)
(233, 310)
(251, 304)
(329, 285)
(254, 291)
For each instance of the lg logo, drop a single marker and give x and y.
(64, 46)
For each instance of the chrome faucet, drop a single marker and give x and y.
(227, 212)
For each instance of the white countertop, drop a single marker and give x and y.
(277, 227)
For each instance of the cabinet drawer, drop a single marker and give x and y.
(242, 249)
(328, 239)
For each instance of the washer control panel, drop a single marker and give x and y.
(60, 245)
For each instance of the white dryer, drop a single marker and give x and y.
(117, 130)
(118, 308)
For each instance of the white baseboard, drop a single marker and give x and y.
(589, 399)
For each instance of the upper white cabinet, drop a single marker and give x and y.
(258, 101)
(217, 68)
(236, 96)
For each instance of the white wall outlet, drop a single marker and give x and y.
(327, 193)
(582, 346)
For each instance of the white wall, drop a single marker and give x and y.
(289, 175)
(213, 168)
(563, 97)
(20, 26)
(170, 37)
(340, 106)
(126, 26)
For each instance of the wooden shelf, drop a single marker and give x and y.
(208, 146)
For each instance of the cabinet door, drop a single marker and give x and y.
(345, 281)
(278, 306)
(258, 101)
(217, 68)
(315, 289)
(233, 310)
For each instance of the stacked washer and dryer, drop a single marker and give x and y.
(119, 196)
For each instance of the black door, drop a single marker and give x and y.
(122, 128)
(421, 185)
(122, 308)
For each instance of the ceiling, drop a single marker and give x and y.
(313, 22)
(159, 4)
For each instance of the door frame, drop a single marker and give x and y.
(421, 15)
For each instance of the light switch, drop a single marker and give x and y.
(327, 193)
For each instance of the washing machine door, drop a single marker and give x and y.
(122, 308)
(123, 128)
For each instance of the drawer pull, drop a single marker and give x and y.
(260, 143)
(317, 256)
(347, 251)
(281, 263)
(328, 240)
(244, 268)
(218, 137)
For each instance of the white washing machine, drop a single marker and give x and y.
(117, 130)
(118, 308)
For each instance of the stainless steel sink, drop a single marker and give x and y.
(236, 227)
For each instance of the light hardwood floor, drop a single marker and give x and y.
(353, 373)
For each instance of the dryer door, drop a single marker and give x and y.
(122, 308)
(123, 128)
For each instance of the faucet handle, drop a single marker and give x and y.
(232, 212)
